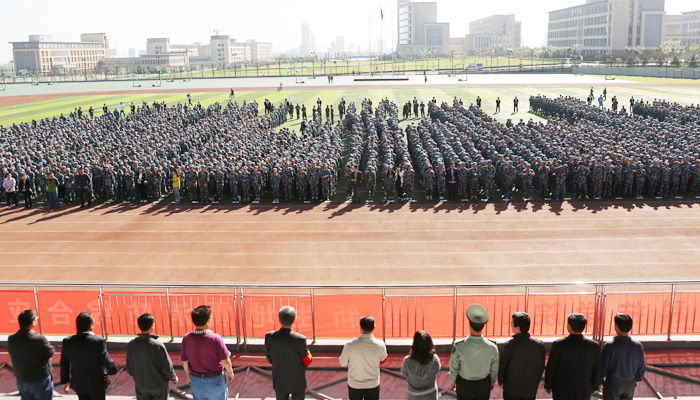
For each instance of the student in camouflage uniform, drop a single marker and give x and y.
(192, 181)
(233, 184)
(275, 183)
(527, 175)
(608, 176)
(256, 182)
(348, 183)
(109, 184)
(389, 182)
(640, 178)
(408, 179)
(203, 184)
(314, 181)
(302, 183)
(508, 180)
(597, 176)
(618, 176)
(220, 180)
(560, 171)
(370, 182)
(287, 179)
(473, 182)
(440, 182)
(463, 181)
(582, 173)
(665, 180)
(429, 183)
(326, 183)
(488, 173)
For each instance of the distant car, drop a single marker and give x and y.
(475, 65)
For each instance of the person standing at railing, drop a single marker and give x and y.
(522, 362)
(148, 362)
(205, 358)
(86, 367)
(623, 362)
(573, 368)
(363, 357)
(420, 368)
(474, 360)
(287, 352)
(31, 359)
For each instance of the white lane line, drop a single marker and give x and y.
(370, 267)
(316, 231)
(334, 253)
(5, 241)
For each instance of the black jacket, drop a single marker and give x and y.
(31, 355)
(573, 368)
(148, 362)
(521, 366)
(22, 184)
(285, 350)
(85, 362)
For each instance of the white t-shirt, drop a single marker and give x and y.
(9, 184)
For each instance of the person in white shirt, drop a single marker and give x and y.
(363, 357)
(10, 186)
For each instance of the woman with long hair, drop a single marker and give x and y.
(420, 367)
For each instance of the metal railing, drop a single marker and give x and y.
(247, 312)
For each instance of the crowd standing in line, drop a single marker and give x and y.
(576, 367)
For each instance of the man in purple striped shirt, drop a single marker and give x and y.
(205, 359)
(623, 363)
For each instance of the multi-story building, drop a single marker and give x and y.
(308, 43)
(225, 50)
(418, 29)
(683, 29)
(41, 54)
(602, 26)
(498, 32)
(153, 62)
(260, 51)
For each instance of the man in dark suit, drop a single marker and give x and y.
(85, 364)
(31, 359)
(574, 366)
(82, 181)
(451, 179)
(289, 356)
(27, 189)
(356, 178)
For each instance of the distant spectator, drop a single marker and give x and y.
(148, 362)
(363, 356)
(573, 368)
(85, 364)
(474, 360)
(10, 186)
(205, 358)
(623, 363)
(522, 361)
(31, 359)
(420, 367)
(289, 356)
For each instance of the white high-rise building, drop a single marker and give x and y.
(308, 44)
(418, 29)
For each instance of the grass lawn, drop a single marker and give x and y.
(48, 108)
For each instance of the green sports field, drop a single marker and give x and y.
(54, 107)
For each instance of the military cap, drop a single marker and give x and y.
(477, 314)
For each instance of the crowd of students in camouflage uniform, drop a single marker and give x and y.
(229, 150)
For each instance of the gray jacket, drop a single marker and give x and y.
(421, 381)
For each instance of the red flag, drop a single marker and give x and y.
(382, 11)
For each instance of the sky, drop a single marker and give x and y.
(129, 23)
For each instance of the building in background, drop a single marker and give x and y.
(338, 46)
(308, 43)
(498, 32)
(132, 52)
(418, 29)
(683, 29)
(608, 26)
(168, 62)
(41, 54)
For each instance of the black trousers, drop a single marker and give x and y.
(85, 194)
(473, 390)
(28, 199)
(142, 191)
(452, 190)
(92, 396)
(10, 196)
(285, 396)
(160, 393)
(618, 389)
(509, 397)
(363, 394)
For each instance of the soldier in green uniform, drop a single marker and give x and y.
(474, 360)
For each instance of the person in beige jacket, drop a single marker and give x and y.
(363, 356)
